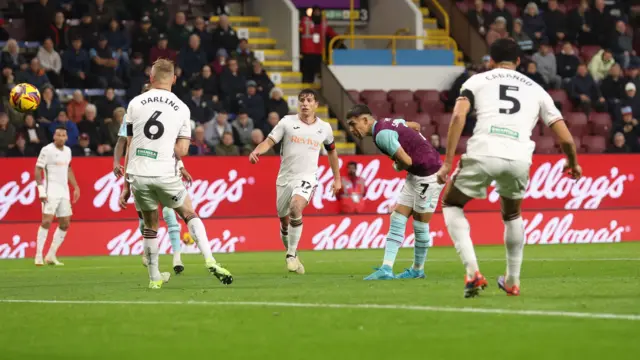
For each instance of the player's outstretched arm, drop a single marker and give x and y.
(568, 147)
(74, 183)
(118, 169)
(334, 162)
(262, 148)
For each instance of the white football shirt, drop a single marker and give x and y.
(158, 118)
(300, 147)
(55, 163)
(508, 105)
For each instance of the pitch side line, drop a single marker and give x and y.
(567, 314)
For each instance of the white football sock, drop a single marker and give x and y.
(199, 233)
(150, 243)
(460, 233)
(58, 238)
(41, 239)
(295, 232)
(514, 242)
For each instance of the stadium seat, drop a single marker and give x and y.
(462, 145)
(441, 119)
(400, 95)
(432, 106)
(537, 130)
(373, 96)
(577, 123)
(408, 108)
(594, 144)
(588, 51)
(546, 131)
(561, 97)
(427, 95)
(601, 124)
(443, 130)
(546, 145)
(513, 9)
(422, 119)
(355, 95)
(380, 108)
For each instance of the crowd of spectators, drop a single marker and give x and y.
(585, 48)
(112, 45)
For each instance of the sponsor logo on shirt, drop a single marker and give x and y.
(147, 153)
(305, 141)
(504, 132)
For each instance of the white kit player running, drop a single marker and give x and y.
(301, 137)
(159, 126)
(55, 161)
(508, 105)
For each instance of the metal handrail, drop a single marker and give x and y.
(445, 15)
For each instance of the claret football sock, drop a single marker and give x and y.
(514, 242)
(395, 237)
(460, 232)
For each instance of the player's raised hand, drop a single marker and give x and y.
(186, 177)
(76, 194)
(443, 174)
(574, 171)
(124, 197)
(254, 157)
(336, 187)
(118, 171)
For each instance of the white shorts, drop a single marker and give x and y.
(284, 193)
(420, 193)
(60, 207)
(149, 191)
(474, 175)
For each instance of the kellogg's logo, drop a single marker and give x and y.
(556, 230)
(16, 249)
(23, 192)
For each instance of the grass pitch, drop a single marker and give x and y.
(105, 311)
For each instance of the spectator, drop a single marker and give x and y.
(619, 145)
(101, 14)
(631, 99)
(35, 75)
(178, 34)
(109, 131)
(497, 31)
(533, 74)
(209, 84)
(244, 55)
(600, 64)
(69, 11)
(499, 10)
(227, 147)
(437, 144)
(202, 109)
(192, 58)
(219, 7)
(144, 38)
(181, 87)
(479, 18)
(629, 128)
(58, 32)
(633, 74)
(521, 37)
(104, 64)
(76, 107)
(20, 149)
(11, 57)
(4, 34)
(7, 135)
(89, 125)
(254, 103)
(272, 120)
(567, 62)
(118, 40)
(232, 84)
(37, 20)
(242, 128)
(353, 191)
(83, 147)
(198, 144)
(622, 45)
(161, 50)
(87, 31)
(259, 75)
(218, 64)
(108, 103)
(34, 134)
(556, 21)
(603, 24)
(256, 138)
(158, 12)
(138, 75)
(206, 40)
(49, 106)
(76, 64)
(215, 129)
(224, 36)
(277, 103)
(580, 23)
(533, 23)
(51, 62)
(584, 91)
(546, 63)
(612, 87)
(72, 129)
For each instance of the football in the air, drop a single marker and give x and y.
(24, 97)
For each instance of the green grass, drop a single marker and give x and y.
(583, 278)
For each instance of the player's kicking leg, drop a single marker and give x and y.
(58, 239)
(173, 227)
(198, 231)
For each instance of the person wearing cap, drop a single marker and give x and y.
(629, 127)
(253, 103)
(178, 34)
(522, 38)
(202, 109)
(555, 21)
(224, 36)
(547, 67)
(220, 61)
(161, 50)
(76, 65)
(104, 64)
(584, 92)
(144, 38)
(567, 62)
(83, 146)
(631, 98)
(497, 31)
(192, 58)
(600, 64)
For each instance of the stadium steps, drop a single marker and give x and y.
(431, 28)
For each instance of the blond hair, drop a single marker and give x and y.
(119, 112)
(162, 70)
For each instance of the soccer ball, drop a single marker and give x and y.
(24, 97)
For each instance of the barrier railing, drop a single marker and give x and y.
(445, 16)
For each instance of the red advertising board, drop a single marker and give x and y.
(232, 187)
(334, 232)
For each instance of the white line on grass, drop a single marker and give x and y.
(567, 314)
